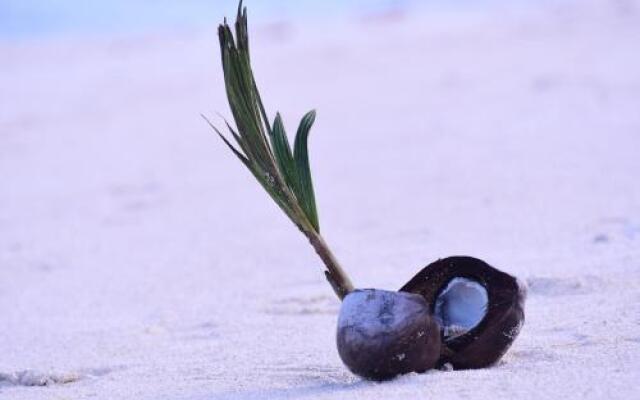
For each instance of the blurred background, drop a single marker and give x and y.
(138, 259)
(31, 18)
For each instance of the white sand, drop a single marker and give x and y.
(139, 260)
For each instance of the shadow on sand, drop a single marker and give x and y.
(293, 392)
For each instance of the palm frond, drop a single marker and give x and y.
(301, 155)
(265, 150)
(283, 155)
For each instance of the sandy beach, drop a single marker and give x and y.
(139, 260)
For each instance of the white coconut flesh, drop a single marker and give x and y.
(461, 306)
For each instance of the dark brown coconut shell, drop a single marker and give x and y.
(382, 334)
(487, 342)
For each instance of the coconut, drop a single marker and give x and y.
(479, 308)
(382, 334)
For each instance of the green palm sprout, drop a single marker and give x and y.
(265, 150)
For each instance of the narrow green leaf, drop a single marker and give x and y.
(240, 92)
(283, 154)
(226, 141)
(301, 156)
